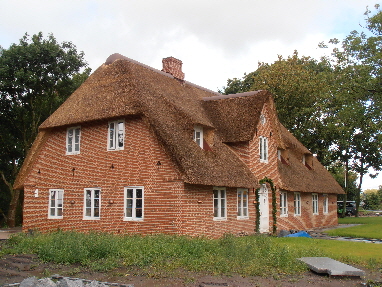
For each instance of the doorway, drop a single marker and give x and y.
(264, 209)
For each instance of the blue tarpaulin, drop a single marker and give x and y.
(299, 234)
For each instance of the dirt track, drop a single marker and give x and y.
(13, 269)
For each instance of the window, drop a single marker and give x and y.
(116, 135)
(297, 203)
(263, 148)
(283, 204)
(326, 204)
(315, 203)
(56, 198)
(198, 135)
(263, 120)
(92, 205)
(73, 140)
(242, 203)
(220, 203)
(134, 203)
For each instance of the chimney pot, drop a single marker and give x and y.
(173, 66)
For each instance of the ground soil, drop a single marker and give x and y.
(15, 268)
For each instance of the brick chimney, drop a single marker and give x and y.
(174, 67)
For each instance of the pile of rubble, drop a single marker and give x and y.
(59, 281)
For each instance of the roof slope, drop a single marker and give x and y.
(172, 107)
(295, 176)
(236, 117)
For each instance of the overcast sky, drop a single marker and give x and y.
(215, 39)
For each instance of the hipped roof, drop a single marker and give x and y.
(123, 87)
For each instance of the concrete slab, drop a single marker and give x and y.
(331, 266)
(5, 233)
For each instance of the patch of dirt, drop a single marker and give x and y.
(14, 269)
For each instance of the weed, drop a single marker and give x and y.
(46, 273)
(166, 254)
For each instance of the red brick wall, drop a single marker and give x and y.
(307, 220)
(170, 206)
(249, 153)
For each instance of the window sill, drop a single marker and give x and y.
(242, 217)
(72, 153)
(132, 219)
(297, 215)
(91, 218)
(284, 215)
(220, 219)
(116, 149)
(55, 217)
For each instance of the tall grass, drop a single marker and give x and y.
(251, 255)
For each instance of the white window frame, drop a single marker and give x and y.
(325, 206)
(283, 204)
(56, 204)
(198, 135)
(315, 203)
(116, 135)
(263, 149)
(219, 203)
(73, 143)
(134, 203)
(297, 204)
(242, 203)
(95, 203)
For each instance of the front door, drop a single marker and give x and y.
(264, 209)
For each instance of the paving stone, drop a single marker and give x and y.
(331, 266)
(29, 282)
(46, 282)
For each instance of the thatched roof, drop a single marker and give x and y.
(295, 176)
(172, 107)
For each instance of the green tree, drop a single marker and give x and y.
(36, 76)
(372, 199)
(355, 115)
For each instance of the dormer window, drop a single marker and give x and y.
(198, 135)
(307, 160)
(116, 135)
(282, 155)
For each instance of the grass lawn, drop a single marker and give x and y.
(249, 255)
(365, 254)
(371, 227)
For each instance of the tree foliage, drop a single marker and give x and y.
(300, 86)
(36, 76)
(333, 106)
